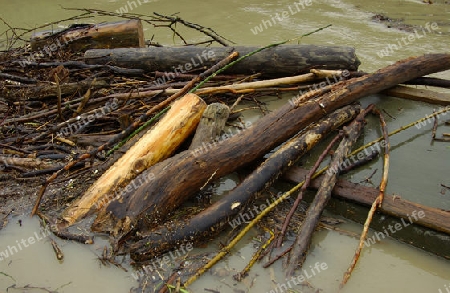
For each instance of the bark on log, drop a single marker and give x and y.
(214, 218)
(157, 144)
(121, 34)
(301, 244)
(211, 124)
(283, 60)
(422, 95)
(396, 206)
(182, 175)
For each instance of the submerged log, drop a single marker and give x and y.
(81, 37)
(283, 60)
(424, 227)
(422, 95)
(214, 218)
(157, 144)
(393, 205)
(182, 175)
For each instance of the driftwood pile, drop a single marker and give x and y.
(72, 111)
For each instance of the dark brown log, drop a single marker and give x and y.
(430, 81)
(121, 34)
(214, 218)
(283, 60)
(393, 205)
(211, 125)
(182, 175)
(301, 244)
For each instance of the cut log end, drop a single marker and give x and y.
(121, 34)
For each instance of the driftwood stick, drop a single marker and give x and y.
(304, 187)
(377, 203)
(302, 242)
(58, 96)
(242, 274)
(233, 88)
(434, 129)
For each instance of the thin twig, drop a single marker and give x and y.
(435, 125)
(58, 95)
(377, 203)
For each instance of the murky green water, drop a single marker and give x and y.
(417, 168)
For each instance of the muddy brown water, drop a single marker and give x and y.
(416, 172)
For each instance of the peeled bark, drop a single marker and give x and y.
(182, 175)
(157, 144)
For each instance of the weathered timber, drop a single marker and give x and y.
(214, 218)
(422, 95)
(430, 233)
(301, 244)
(182, 175)
(393, 205)
(120, 34)
(211, 124)
(157, 144)
(283, 60)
